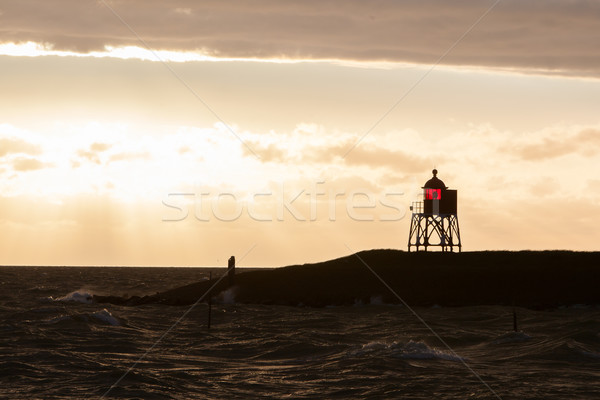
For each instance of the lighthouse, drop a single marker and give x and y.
(434, 222)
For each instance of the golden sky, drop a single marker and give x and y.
(176, 133)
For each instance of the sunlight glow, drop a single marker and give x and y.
(106, 152)
(32, 49)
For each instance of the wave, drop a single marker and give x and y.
(103, 317)
(78, 296)
(410, 350)
(512, 337)
(419, 350)
(106, 317)
(581, 349)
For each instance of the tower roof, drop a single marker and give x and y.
(435, 182)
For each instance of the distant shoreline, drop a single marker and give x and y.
(534, 279)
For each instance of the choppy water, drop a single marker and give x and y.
(54, 344)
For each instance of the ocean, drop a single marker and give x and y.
(57, 344)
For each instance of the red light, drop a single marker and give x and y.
(433, 194)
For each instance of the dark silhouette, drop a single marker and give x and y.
(434, 221)
(209, 304)
(536, 279)
(231, 271)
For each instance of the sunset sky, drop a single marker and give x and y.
(182, 132)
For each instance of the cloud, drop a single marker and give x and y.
(584, 142)
(130, 156)
(28, 164)
(89, 155)
(266, 153)
(93, 153)
(184, 149)
(308, 150)
(538, 34)
(12, 145)
(99, 147)
(593, 186)
(380, 157)
(545, 187)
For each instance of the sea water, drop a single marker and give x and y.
(56, 343)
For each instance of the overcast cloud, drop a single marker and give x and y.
(562, 36)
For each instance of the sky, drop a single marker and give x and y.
(282, 132)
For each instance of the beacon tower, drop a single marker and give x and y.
(434, 223)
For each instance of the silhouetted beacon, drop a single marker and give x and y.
(434, 222)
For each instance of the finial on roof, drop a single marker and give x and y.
(434, 172)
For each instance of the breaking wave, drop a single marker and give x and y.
(103, 317)
(409, 350)
(106, 317)
(78, 296)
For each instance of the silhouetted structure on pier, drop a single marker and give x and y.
(434, 222)
(231, 271)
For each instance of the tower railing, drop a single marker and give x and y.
(417, 207)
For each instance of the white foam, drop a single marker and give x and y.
(103, 316)
(106, 317)
(227, 296)
(78, 296)
(376, 345)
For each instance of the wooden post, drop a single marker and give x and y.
(231, 271)
(209, 301)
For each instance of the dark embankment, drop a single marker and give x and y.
(530, 279)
